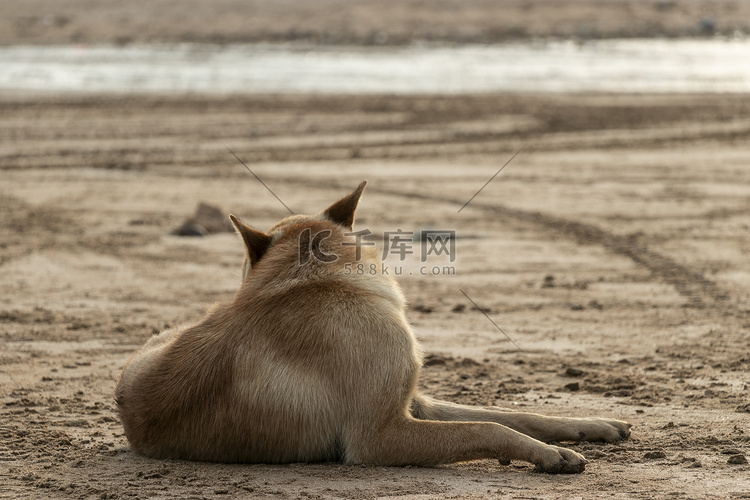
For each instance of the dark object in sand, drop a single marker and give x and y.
(207, 219)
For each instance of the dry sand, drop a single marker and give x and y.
(361, 21)
(613, 251)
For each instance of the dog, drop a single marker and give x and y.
(311, 362)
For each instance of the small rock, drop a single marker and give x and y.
(655, 455)
(573, 372)
(573, 386)
(459, 308)
(190, 230)
(469, 362)
(737, 460)
(207, 219)
(663, 5)
(434, 360)
(485, 310)
(707, 26)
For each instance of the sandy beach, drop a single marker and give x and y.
(613, 250)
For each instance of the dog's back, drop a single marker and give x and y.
(288, 371)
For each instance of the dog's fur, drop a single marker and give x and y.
(312, 362)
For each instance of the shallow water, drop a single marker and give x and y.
(598, 66)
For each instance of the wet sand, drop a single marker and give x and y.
(609, 66)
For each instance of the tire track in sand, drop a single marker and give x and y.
(699, 291)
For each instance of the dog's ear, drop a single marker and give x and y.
(256, 242)
(342, 212)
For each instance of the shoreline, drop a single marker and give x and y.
(557, 67)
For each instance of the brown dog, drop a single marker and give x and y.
(311, 362)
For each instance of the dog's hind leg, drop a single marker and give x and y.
(406, 441)
(540, 427)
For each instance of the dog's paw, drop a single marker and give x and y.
(560, 461)
(603, 429)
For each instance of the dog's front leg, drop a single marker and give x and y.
(407, 441)
(539, 427)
